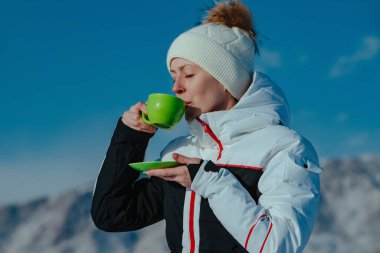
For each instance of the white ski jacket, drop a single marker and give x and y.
(252, 136)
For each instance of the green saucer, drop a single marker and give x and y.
(145, 166)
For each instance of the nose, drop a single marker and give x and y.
(178, 87)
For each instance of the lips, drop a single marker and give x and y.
(187, 103)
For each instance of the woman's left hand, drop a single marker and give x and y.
(178, 174)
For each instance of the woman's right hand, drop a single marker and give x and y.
(132, 118)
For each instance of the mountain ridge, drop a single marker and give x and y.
(62, 224)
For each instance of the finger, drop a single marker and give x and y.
(132, 115)
(150, 129)
(178, 174)
(144, 126)
(127, 120)
(168, 173)
(138, 125)
(137, 107)
(184, 159)
(180, 158)
(143, 108)
(136, 117)
(174, 179)
(131, 118)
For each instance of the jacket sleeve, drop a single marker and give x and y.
(120, 203)
(284, 216)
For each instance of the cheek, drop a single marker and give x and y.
(206, 93)
(198, 91)
(211, 100)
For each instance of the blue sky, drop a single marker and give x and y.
(68, 70)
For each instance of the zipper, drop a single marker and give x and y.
(207, 130)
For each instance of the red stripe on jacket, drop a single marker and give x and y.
(238, 166)
(262, 246)
(191, 222)
(250, 231)
(208, 130)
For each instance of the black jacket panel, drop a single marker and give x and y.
(119, 203)
(174, 202)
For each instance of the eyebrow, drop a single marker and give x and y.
(182, 67)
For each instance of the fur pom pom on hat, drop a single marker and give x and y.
(224, 46)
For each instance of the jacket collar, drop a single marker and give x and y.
(263, 104)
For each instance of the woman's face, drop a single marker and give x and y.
(201, 92)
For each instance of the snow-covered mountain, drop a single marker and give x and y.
(348, 221)
(63, 225)
(350, 207)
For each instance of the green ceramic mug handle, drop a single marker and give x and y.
(145, 119)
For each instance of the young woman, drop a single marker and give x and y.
(247, 183)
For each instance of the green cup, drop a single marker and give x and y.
(163, 110)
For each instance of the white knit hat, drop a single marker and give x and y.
(225, 53)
